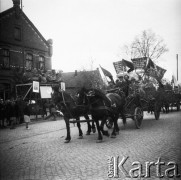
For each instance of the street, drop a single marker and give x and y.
(40, 153)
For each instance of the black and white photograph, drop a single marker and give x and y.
(90, 89)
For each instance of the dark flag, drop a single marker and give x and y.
(107, 73)
(129, 64)
(150, 64)
(160, 72)
(154, 71)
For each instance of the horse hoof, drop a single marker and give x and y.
(87, 133)
(113, 136)
(94, 130)
(106, 133)
(67, 141)
(99, 141)
(80, 137)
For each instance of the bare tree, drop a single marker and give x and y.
(147, 44)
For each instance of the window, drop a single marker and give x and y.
(41, 64)
(29, 61)
(5, 63)
(17, 33)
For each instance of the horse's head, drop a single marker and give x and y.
(81, 96)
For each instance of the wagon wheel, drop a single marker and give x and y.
(138, 117)
(157, 112)
(109, 122)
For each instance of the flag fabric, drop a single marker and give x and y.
(160, 72)
(129, 64)
(154, 71)
(107, 73)
(150, 64)
(119, 67)
(139, 63)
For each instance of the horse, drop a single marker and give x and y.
(82, 102)
(67, 105)
(103, 106)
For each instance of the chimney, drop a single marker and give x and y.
(16, 3)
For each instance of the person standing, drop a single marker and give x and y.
(27, 115)
(2, 113)
(12, 114)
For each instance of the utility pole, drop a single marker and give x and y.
(177, 65)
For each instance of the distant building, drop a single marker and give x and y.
(22, 49)
(78, 79)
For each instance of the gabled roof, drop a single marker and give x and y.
(23, 15)
(80, 78)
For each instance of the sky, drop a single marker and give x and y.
(89, 33)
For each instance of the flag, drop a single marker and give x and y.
(107, 73)
(150, 64)
(154, 71)
(160, 72)
(119, 67)
(129, 64)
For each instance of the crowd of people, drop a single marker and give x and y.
(12, 112)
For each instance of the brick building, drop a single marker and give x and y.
(22, 49)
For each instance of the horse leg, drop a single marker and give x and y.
(99, 139)
(123, 118)
(116, 123)
(68, 138)
(93, 126)
(89, 128)
(80, 130)
(88, 125)
(105, 133)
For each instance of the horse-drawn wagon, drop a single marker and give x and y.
(150, 101)
(132, 108)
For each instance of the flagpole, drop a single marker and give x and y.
(177, 65)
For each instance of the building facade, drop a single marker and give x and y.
(22, 49)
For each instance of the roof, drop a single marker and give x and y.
(81, 78)
(13, 10)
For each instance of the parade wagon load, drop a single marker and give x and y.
(36, 87)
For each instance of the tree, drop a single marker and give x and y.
(147, 44)
(92, 78)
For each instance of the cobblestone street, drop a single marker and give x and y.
(40, 153)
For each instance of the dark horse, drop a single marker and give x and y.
(103, 106)
(70, 109)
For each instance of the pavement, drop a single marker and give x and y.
(41, 154)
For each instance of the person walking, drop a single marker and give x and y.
(27, 115)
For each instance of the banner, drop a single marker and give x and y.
(119, 67)
(62, 86)
(36, 86)
(139, 63)
(45, 91)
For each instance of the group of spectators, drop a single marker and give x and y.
(12, 112)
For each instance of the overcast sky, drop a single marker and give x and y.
(86, 30)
